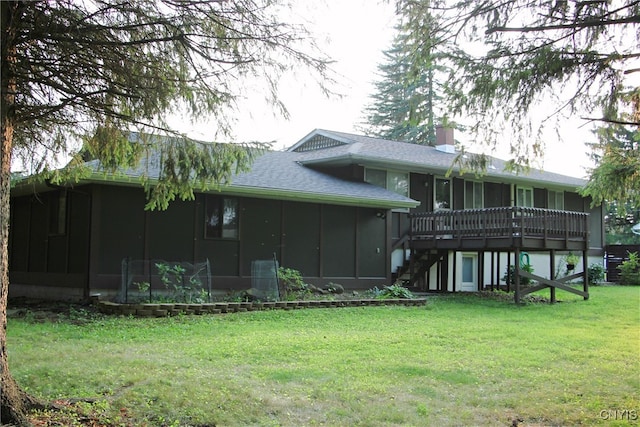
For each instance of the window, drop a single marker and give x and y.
(398, 182)
(467, 269)
(473, 195)
(376, 177)
(221, 219)
(524, 197)
(556, 200)
(58, 213)
(442, 194)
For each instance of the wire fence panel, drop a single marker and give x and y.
(264, 280)
(159, 280)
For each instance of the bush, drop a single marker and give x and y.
(595, 273)
(395, 291)
(509, 278)
(182, 287)
(292, 284)
(630, 270)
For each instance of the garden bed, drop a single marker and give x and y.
(168, 309)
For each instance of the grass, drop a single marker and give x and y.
(461, 360)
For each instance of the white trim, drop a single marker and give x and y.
(474, 272)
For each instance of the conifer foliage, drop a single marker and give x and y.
(405, 103)
(518, 70)
(94, 70)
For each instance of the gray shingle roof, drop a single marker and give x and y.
(279, 175)
(369, 151)
(286, 175)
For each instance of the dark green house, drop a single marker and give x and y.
(340, 208)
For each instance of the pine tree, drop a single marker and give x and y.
(520, 68)
(99, 67)
(404, 103)
(616, 176)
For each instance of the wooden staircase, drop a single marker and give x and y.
(412, 273)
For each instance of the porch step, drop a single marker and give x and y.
(422, 263)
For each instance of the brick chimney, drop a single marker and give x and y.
(444, 140)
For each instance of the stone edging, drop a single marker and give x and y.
(163, 310)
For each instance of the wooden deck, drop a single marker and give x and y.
(500, 229)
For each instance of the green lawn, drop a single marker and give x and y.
(459, 360)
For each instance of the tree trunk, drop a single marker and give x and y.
(13, 401)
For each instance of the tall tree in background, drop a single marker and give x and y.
(99, 67)
(520, 68)
(616, 176)
(404, 103)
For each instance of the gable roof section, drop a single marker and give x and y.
(281, 175)
(387, 154)
(318, 139)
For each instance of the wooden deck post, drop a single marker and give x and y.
(508, 269)
(552, 275)
(498, 270)
(438, 275)
(481, 270)
(516, 275)
(492, 270)
(585, 275)
(444, 273)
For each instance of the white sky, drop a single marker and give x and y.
(354, 33)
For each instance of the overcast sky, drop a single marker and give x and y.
(354, 33)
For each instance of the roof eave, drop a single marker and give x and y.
(323, 198)
(350, 158)
(269, 193)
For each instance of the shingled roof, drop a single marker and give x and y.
(282, 175)
(293, 174)
(387, 154)
(276, 175)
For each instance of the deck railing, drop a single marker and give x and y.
(500, 222)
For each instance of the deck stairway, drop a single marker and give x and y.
(413, 272)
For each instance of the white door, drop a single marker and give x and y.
(469, 282)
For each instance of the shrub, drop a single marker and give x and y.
(182, 288)
(292, 283)
(595, 273)
(509, 278)
(395, 291)
(630, 270)
(372, 293)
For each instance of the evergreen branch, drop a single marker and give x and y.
(583, 24)
(611, 121)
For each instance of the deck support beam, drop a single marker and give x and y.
(547, 283)
(552, 275)
(516, 276)
(585, 275)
